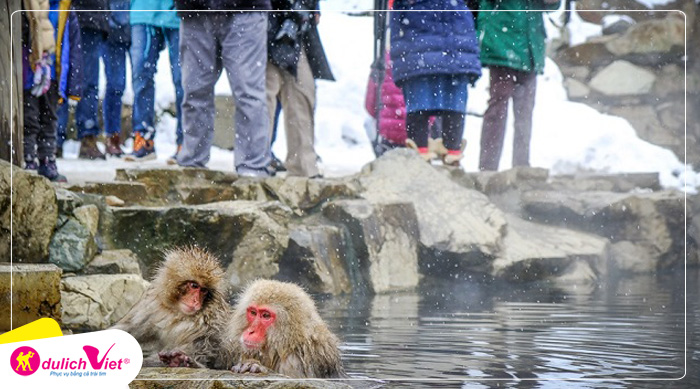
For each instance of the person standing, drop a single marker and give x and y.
(236, 41)
(295, 59)
(513, 48)
(45, 77)
(151, 32)
(435, 56)
(104, 35)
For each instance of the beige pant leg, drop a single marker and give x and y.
(273, 84)
(298, 97)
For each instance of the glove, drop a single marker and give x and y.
(42, 76)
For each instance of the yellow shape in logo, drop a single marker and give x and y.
(38, 329)
(24, 361)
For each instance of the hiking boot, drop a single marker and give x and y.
(173, 159)
(277, 165)
(423, 151)
(31, 164)
(436, 147)
(114, 146)
(89, 150)
(144, 150)
(453, 157)
(48, 169)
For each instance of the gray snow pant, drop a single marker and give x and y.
(238, 43)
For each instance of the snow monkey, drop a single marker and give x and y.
(276, 328)
(182, 314)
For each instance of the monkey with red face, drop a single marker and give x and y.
(276, 328)
(181, 316)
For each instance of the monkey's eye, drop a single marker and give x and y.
(265, 315)
(194, 285)
(253, 312)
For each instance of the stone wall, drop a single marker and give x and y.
(636, 70)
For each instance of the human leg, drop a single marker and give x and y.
(86, 110)
(198, 53)
(46, 139)
(452, 136)
(114, 57)
(494, 126)
(244, 49)
(32, 127)
(298, 96)
(146, 44)
(523, 106)
(61, 126)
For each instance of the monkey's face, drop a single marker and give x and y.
(192, 297)
(259, 318)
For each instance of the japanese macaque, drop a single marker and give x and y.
(276, 328)
(181, 316)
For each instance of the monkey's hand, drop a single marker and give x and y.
(176, 358)
(249, 366)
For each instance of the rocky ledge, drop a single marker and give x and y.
(384, 229)
(185, 378)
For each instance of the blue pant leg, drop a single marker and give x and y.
(62, 124)
(86, 111)
(146, 44)
(114, 57)
(172, 38)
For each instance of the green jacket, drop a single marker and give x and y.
(513, 39)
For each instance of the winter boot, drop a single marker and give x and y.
(277, 165)
(423, 151)
(89, 150)
(173, 159)
(31, 164)
(436, 147)
(114, 146)
(144, 149)
(453, 157)
(48, 169)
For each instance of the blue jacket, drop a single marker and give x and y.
(157, 19)
(67, 62)
(433, 43)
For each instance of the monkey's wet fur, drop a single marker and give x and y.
(184, 320)
(278, 329)
(181, 317)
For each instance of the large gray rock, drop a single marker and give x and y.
(622, 78)
(165, 184)
(651, 37)
(248, 237)
(188, 378)
(95, 302)
(89, 217)
(302, 194)
(384, 239)
(316, 258)
(34, 214)
(622, 182)
(535, 252)
(460, 229)
(35, 293)
(72, 246)
(114, 262)
(130, 192)
(654, 221)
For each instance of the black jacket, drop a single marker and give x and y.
(285, 52)
(98, 21)
(234, 5)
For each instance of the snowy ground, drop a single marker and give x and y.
(567, 137)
